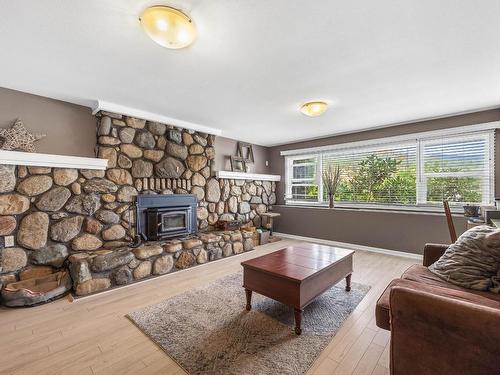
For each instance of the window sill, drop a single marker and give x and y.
(458, 212)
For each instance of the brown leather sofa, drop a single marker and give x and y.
(437, 327)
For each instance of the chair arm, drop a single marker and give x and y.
(433, 334)
(432, 252)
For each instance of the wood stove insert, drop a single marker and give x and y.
(166, 216)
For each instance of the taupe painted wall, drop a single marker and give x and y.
(383, 229)
(70, 128)
(225, 147)
(391, 230)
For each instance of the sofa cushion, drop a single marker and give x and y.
(424, 276)
(420, 278)
(473, 260)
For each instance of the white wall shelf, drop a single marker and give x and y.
(247, 176)
(49, 160)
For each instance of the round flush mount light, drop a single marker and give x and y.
(313, 109)
(168, 27)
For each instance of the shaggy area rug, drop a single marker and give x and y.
(208, 331)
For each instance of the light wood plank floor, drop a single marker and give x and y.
(92, 336)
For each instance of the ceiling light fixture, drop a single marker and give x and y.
(313, 109)
(168, 27)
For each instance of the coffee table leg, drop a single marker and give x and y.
(249, 299)
(348, 282)
(298, 321)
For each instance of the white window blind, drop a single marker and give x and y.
(379, 174)
(458, 169)
(412, 172)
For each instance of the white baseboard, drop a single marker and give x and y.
(351, 246)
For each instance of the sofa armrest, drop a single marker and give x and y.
(432, 252)
(433, 334)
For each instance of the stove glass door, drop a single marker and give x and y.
(173, 221)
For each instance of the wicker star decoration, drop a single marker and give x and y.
(18, 137)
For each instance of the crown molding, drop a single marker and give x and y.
(101, 105)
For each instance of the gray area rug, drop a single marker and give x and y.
(208, 331)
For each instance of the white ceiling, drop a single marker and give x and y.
(254, 62)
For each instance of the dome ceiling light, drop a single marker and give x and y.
(168, 27)
(313, 109)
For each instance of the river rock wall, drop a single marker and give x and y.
(78, 219)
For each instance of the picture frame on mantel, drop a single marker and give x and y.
(245, 151)
(238, 164)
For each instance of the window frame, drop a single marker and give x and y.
(486, 131)
(289, 176)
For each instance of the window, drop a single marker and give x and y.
(416, 171)
(384, 174)
(304, 179)
(456, 169)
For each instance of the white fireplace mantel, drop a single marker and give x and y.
(247, 176)
(49, 160)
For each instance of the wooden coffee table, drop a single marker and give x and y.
(297, 274)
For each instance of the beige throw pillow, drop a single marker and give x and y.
(473, 260)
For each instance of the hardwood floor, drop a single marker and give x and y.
(92, 336)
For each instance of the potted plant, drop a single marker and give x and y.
(331, 179)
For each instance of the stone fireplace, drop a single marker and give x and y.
(83, 220)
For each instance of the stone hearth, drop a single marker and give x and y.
(100, 270)
(82, 219)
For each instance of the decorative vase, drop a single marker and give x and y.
(471, 211)
(331, 199)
